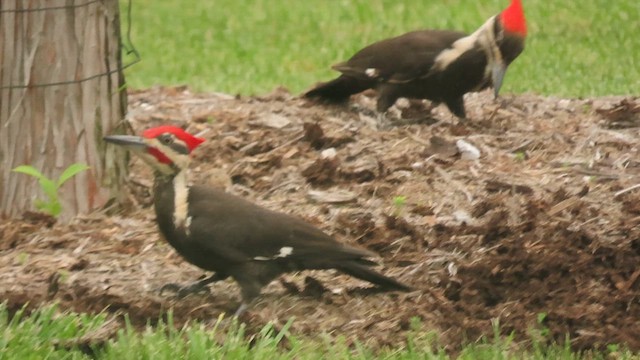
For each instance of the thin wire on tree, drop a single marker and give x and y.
(129, 48)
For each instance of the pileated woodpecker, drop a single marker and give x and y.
(231, 236)
(438, 65)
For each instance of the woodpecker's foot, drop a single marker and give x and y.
(181, 291)
(382, 121)
(241, 310)
(240, 315)
(195, 288)
(372, 118)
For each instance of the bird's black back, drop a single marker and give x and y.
(401, 58)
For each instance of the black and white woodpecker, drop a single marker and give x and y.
(438, 65)
(229, 235)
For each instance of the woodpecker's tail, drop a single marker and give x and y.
(338, 89)
(365, 273)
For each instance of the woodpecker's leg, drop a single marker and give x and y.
(248, 295)
(241, 309)
(386, 98)
(250, 284)
(381, 120)
(456, 106)
(197, 287)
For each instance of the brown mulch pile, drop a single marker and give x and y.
(526, 211)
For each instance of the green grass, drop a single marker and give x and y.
(51, 334)
(574, 48)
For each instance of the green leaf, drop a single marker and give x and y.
(49, 188)
(29, 170)
(71, 171)
(541, 317)
(399, 200)
(41, 205)
(55, 208)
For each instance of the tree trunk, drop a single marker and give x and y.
(60, 91)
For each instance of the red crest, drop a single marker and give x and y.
(513, 19)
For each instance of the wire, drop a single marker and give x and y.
(49, 8)
(129, 48)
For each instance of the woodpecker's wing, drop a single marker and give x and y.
(399, 59)
(237, 230)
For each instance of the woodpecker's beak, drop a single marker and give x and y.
(134, 143)
(497, 74)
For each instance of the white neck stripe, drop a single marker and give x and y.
(180, 199)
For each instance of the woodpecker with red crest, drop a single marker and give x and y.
(231, 236)
(438, 65)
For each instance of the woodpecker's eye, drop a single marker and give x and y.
(166, 139)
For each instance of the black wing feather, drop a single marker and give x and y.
(238, 230)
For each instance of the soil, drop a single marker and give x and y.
(526, 215)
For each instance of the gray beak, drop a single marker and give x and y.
(497, 74)
(134, 143)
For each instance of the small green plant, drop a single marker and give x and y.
(543, 329)
(51, 187)
(399, 202)
(540, 333)
(520, 156)
(63, 275)
(23, 257)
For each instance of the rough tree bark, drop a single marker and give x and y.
(51, 127)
